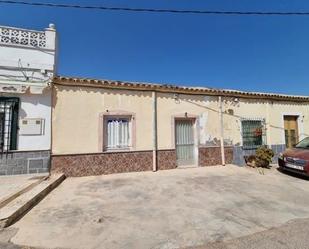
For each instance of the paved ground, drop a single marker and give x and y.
(167, 209)
(6, 235)
(14, 183)
(292, 235)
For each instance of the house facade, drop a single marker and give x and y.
(103, 127)
(27, 66)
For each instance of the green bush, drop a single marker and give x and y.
(263, 156)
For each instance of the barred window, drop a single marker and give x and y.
(253, 133)
(8, 123)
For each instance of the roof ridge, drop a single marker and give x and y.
(173, 87)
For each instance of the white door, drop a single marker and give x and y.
(184, 135)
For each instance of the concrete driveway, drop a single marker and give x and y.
(167, 209)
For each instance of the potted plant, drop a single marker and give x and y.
(258, 132)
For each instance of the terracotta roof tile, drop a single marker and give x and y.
(69, 81)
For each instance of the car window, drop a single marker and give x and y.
(304, 144)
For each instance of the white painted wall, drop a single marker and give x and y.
(36, 106)
(27, 64)
(26, 71)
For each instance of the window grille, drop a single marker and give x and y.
(118, 133)
(8, 123)
(253, 133)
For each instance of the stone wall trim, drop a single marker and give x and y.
(101, 163)
(24, 162)
(111, 162)
(210, 156)
(166, 159)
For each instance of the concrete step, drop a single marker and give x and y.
(24, 202)
(19, 190)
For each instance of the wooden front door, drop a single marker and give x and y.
(291, 131)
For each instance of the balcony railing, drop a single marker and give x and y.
(24, 37)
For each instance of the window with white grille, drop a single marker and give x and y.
(118, 133)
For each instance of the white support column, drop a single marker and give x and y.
(52, 43)
(154, 131)
(221, 131)
(268, 124)
(50, 33)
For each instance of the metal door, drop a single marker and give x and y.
(184, 141)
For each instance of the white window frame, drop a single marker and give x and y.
(105, 131)
(263, 122)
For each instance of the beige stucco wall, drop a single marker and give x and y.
(279, 109)
(76, 117)
(203, 108)
(273, 113)
(243, 108)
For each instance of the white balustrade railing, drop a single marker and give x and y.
(24, 37)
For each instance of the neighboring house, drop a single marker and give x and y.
(103, 126)
(27, 65)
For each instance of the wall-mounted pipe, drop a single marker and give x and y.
(221, 130)
(154, 131)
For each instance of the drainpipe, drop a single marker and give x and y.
(154, 131)
(221, 131)
(268, 127)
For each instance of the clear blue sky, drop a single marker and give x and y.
(251, 53)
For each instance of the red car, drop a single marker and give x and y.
(297, 159)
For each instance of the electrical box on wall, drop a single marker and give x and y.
(31, 126)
